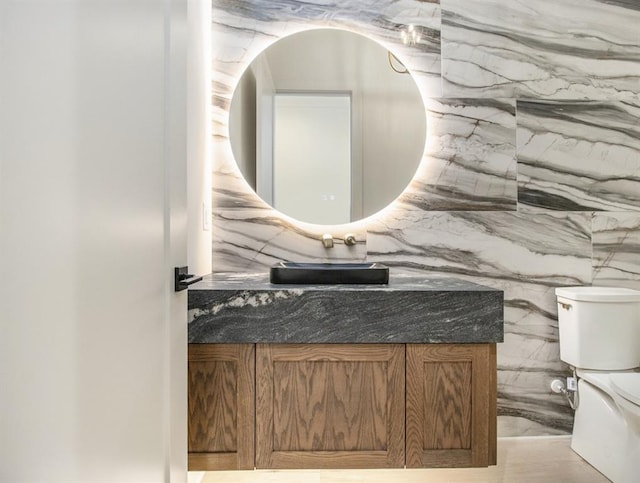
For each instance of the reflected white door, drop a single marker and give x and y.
(312, 157)
(93, 213)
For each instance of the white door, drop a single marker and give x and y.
(92, 222)
(312, 157)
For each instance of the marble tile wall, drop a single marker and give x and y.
(530, 179)
(578, 155)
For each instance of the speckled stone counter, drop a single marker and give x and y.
(246, 308)
(232, 308)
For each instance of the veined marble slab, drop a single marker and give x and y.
(616, 249)
(544, 49)
(241, 29)
(252, 240)
(579, 156)
(470, 157)
(528, 360)
(248, 309)
(543, 248)
(524, 254)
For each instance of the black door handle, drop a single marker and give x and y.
(182, 278)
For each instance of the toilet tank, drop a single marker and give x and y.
(599, 327)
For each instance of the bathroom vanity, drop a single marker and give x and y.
(342, 376)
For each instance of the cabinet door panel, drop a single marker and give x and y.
(330, 406)
(451, 413)
(352, 396)
(221, 406)
(213, 408)
(447, 408)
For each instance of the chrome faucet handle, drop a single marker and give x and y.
(350, 239)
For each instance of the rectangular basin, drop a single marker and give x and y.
(329, 273)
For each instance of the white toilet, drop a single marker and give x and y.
(600, 337)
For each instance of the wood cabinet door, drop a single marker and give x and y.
(330, 406)
(451, 405)
(221, 406)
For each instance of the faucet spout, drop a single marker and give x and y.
(327, 240)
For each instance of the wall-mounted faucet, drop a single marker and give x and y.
(328, 240)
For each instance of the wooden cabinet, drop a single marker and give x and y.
(451, 405)
(330, 406)
(221, 406)
(341, 405)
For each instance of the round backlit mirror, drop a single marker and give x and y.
(327, 127)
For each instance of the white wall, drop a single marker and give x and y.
(242, 120)
(266, 93)
(92, 219)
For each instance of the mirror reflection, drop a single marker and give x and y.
(327, 127)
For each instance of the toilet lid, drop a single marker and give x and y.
(627, 385)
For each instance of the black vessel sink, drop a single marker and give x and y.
(329, 273)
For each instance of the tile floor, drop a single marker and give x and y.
(520, 460)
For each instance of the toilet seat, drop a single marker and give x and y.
(627, 385)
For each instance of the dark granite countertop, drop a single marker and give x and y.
(246, 308)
